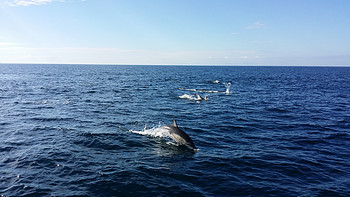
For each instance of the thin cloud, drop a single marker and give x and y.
(256, 25)
(6, 44)
(27, 2)
(261, 42)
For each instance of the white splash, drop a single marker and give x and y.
(227, 85)
(189, 97)
(161, 132)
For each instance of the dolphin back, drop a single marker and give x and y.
(180, 136)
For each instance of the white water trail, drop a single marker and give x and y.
(189, 97)
(199, 90)
(161, 132)
(194, 90)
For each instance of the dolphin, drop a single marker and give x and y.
(199, 97)
(179, 135)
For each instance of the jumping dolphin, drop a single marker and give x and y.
(180, 136)
(199, 97)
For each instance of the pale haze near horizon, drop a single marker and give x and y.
(177, 32)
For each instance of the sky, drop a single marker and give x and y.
(176, 32)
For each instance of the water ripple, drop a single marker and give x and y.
(281, 131)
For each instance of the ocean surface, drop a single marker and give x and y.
(93, 130)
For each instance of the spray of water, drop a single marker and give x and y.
(159, 131)
(227, 85)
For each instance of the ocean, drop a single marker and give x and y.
(94, 130)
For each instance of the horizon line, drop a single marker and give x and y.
(223, 65)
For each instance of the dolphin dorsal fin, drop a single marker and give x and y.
(175, 124)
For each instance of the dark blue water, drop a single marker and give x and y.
(65, 131)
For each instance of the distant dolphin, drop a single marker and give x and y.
(180, 136)
(201, 98)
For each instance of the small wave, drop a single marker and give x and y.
(277, 109)
(214, 82)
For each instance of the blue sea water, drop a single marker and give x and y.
(69, 130)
